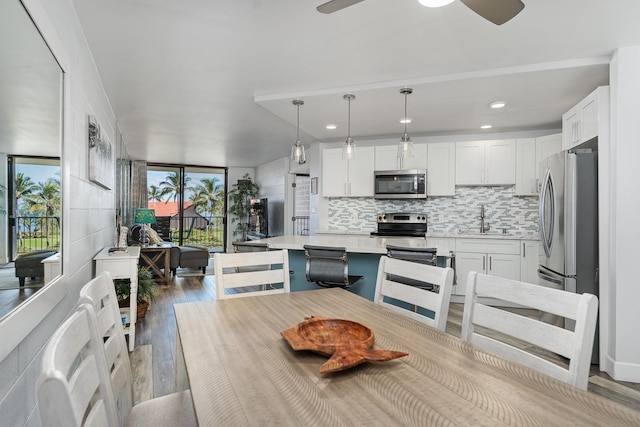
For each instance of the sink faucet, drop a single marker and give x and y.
(483, 227)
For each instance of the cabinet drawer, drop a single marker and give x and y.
(117, 268)
(488, 246)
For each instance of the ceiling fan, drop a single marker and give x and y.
(496, 11)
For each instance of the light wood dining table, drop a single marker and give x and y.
(243, 373)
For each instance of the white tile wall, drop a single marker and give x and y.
(88, 210)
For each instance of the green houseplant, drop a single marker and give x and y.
(145, 291)
(240, 200)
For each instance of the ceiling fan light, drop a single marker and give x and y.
(435, 3)
(331, 127)
(406, 120)
(498, 104)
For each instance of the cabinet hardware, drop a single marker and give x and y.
(483, 262)
(490, 263)
(524, 251)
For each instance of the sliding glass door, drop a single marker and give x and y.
(189, 203)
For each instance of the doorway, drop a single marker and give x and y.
(33, 205)
(189, 203)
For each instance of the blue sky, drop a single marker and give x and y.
(38, 173)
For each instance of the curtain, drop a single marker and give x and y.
(138, 185)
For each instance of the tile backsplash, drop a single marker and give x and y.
(518, 215)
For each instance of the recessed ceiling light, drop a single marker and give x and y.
(406, 120)
(331, 127)
(435, 3)
(486, 127)
(498, 104)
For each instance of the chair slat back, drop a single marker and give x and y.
(74, 387)
(229, 274)
(100, 294)
(574, 345)
(251, 247)
(392, 275)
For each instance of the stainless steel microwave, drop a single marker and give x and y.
(400, 184)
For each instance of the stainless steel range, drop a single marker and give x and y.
(401, 224)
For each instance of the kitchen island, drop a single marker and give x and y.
(363, 253)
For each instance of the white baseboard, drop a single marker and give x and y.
(621, 371)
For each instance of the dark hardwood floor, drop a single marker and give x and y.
(157, 329)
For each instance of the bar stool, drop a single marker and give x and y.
(420, 255)
(328, 267)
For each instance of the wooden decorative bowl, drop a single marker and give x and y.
(347, 343)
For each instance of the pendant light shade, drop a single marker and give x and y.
(297, 151)
(349, 146)
(405, 146)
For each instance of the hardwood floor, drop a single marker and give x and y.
(11, 295)
(157, 330)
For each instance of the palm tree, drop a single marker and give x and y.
(208, 194)
(154, 194)
(170, 187)
(44, 201)
(24, 186)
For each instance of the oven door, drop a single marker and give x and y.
(410, 184)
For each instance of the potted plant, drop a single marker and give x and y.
(240, 200)
(145, 291)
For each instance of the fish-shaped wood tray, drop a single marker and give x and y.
(347, 343)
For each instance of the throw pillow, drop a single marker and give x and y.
(154, 239)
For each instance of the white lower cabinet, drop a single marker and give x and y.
(494, 257)
(529, 260)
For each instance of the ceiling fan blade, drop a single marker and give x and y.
(496, 11)
(336, 5)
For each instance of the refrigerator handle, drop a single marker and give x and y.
(548, 278)
(570, 213)
(547, 185)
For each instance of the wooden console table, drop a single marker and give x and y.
(158, 260)
(123, 266)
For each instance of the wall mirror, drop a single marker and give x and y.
(30, 149)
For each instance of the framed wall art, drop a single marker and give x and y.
(101, 165)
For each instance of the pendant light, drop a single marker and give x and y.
(405, 146)
(297, 151)
(349, 146)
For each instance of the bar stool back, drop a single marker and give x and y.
(328, 267)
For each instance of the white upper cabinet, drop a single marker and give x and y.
(347, 178)
(387, 158)
(486, 162)
(526, 165)
(529, 153)
(587, 119)
(418, 160)
(441, 169)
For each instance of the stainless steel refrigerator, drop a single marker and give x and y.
(569, 225)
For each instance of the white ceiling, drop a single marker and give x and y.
(211, 82)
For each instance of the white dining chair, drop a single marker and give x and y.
(73, 388)
(173, 409)
(231, 273)
(575, 345)
(393, 276)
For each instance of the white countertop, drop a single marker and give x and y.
(355, 243)
(488, 235)
(434, 235)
